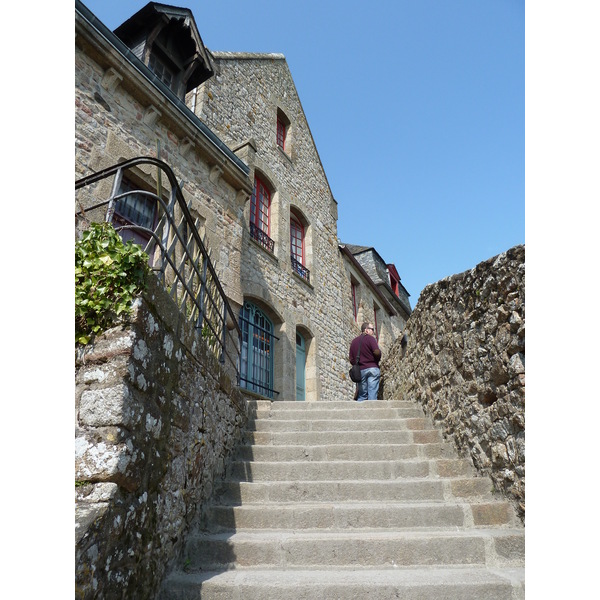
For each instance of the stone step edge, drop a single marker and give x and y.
(452, 488)
(313, 447)
(496, 547)
(300, 405)
(475, 514)
(432, 462)
(406, 577)
(368, 533)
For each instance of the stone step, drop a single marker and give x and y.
(324, 414)
(364, 549)
(400, 490)
(404, 424)
(360, 515)
(349, 470)
(345, 500)
(474, 583)
(318, 438)
(356, 452)
(278, 405)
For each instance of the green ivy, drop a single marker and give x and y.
(108, 276)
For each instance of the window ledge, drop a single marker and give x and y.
(270, 254)
(299, 278)
(285, 154)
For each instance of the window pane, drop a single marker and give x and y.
(137, 208)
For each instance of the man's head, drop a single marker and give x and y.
(367, 328)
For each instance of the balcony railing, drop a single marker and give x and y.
(262, 238)
(300, 269)
(176, 252)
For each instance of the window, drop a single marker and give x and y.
(354, 303)
(394, 279)
(297, 247)
(135, 209)
(256, 368)
(375, 309)
(260, 207)
(161, 70)
(283, 125)
(280, 133)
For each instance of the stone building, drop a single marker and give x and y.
(377, 294)
(232, 127)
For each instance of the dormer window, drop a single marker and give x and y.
(394, 279)
(165, 38)
(161, 70)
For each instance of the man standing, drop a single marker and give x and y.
(369, 358)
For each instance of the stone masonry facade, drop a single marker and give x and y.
(241, 104)
(465, 363)
(157, 420)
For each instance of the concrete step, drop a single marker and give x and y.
(361, 515)
(349, 470)
(399, 490)
(318, 438)
(356, 452)
(403, 424)
(474, 583)
(364, 549)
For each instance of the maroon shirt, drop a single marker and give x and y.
(367, 360)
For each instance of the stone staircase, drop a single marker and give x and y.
(347, 500)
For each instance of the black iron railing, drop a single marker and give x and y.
(176, 251)
(262, 238)
(300, 269)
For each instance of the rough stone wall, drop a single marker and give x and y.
(465, 362)
(240, 104)
(156, 422)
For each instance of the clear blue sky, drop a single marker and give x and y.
(417, 109)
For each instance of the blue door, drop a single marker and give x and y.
(300, 367)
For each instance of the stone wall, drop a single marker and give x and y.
(465, 363)
(156, 422)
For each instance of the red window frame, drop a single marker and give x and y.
(281, 129)
(297, 239)
(354, 307)
(260, 206)
(394, 279)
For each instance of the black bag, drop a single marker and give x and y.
(355, 373)
(355, 369)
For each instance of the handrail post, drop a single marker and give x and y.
(110, 211)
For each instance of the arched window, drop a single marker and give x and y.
(256, 368)
(260, 208)
(283, 124)
(298, 247)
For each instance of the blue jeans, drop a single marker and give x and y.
(369, 384)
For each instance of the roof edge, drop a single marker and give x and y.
(248, 55)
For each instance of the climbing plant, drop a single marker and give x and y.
(108, 276)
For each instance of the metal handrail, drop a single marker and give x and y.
(184, 265)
